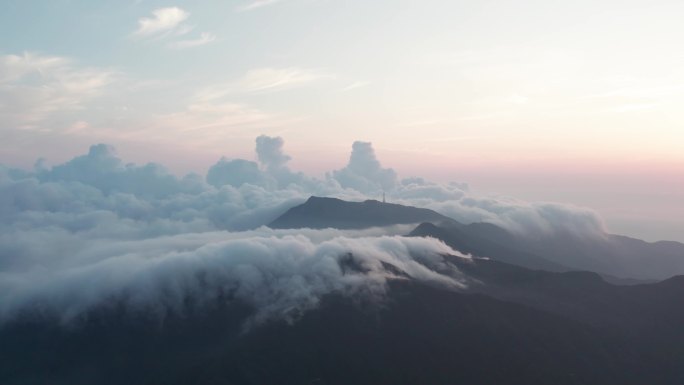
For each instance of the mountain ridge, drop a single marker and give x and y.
(323, 212)
(535, 327)
(617, 257)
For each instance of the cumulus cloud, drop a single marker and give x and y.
(76, 234)
(103, 170)
(99, 180)
(270, 152)
(237, 172)
(364, 172)
(270, 173)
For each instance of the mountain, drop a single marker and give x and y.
(486, 240)
(318, 213)
(614, 256)
(581, 295)
(619, 258)
(520, 319)
(513, 325)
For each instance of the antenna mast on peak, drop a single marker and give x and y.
(383, 197)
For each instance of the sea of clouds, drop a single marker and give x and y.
(77, 234)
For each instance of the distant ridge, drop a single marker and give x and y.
(319, 213)
(486, 240)
(615, 257)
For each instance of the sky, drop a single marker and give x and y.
(576, 102)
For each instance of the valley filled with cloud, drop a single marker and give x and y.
(307, 192)
(78, 234)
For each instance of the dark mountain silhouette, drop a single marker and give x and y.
(539, 324)
(581, 295)
(318, 213)
(612, 254)
(516, 326)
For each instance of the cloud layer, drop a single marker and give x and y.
(280, 275)
(76, 234)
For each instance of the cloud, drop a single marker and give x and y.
(281, 276)
(205, 38)
(274, 79)
(270, 152)
(355, 85)
(271, 172)
(238, 193)
(237, 172)
(259, 80)
(162, 20)
(140, 236)
(166, 23)
(15, 67)
(364, 172)
(208, 123)
(254, 4)
(34, 87)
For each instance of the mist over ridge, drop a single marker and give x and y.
(309, 192)
(140, 233)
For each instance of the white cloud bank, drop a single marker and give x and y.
(96, 228)
(281, 276)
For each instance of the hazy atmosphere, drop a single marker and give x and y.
(255, 192)
(546, 101)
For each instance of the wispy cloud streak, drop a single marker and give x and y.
(255, 4)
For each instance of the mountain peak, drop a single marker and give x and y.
(323, 212)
